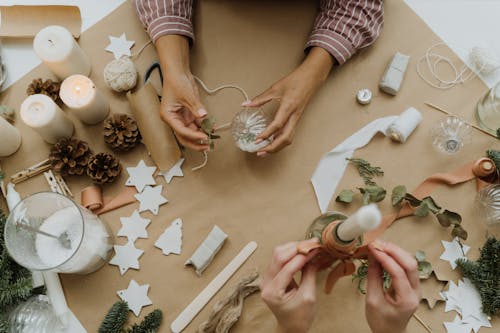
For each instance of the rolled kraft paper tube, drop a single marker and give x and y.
(156, 134)
(87, 103)
(58, 50)
(43, 115)
(10, 138)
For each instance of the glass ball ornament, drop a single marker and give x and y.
(246, 125)
(451, 134)
(488, 205)
(36, 315)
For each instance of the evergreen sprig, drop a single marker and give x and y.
(494, 155)
(117, 316)
(366, 170)
(485, 275)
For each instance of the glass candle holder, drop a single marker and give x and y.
(89, 243)
(321, 222)
(450, 135)
(488, 110)
(246, 125)
(488, 205)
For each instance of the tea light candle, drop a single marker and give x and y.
(365, 219)
(45, 117)
(10, 138)
(79, 93)
(58, 50)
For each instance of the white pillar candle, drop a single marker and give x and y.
(56, 296)
(58, 50)
(45, 117)
(13, 197)
(10, 138)
(365, 219)
(79, 93)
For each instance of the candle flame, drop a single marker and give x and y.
(78, 89)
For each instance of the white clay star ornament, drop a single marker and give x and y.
(151, 199)
(134, 226)
(141, 176)
(457, 326)
(120, 46)
(170, 240)
(126, 256)
(175, 171)
(453, 251)
(136, 296)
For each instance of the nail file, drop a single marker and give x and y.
(188, 314)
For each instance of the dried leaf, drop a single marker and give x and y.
(459, 232)
(207, 124)
(420, 255)
(448, 218)
(398, 194)
(413, 201)
(345, 196)
(373, 193)
(424, 269)
(432, 205)
(422, 210)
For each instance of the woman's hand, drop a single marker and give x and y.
(293, 93)
(293, 304)
(181, 107)
(390, 311)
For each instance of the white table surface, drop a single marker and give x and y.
(462, 24)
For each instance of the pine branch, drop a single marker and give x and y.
(115, 318)
(366, 170)
(494, 155)
(150, 324)
(484, 274)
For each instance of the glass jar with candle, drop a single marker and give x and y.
(488, 110)
(49, 232)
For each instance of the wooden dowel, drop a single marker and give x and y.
(427, 327)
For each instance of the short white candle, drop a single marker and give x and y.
(10, 138)
(45, 117)
(79, 93)
(365, 219)
(56, 296)
(58, 50)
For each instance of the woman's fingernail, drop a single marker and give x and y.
(259, 140)
(379, 245)
(246, 103)
(202, 112)
(262, 154)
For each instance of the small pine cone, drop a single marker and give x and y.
(70, 156)
(104, 168)
(121, 132)
(47, 87)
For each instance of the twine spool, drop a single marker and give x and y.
(120, 74)
(404, 125)
(484, 60)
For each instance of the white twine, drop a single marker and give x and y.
(120, 74)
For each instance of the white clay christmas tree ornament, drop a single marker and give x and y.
(126, 256)
(175, 171)
(151, 199)
(141, 176)
(134, 226)
(136, 296)
(120, 46)
(171, 239)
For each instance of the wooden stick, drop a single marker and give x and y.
(427, 327)
(451, 114)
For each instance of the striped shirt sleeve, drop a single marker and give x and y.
(344, 26)
(166, 17)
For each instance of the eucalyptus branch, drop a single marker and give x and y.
(208, 126)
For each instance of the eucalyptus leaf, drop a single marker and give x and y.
(214, 136)
(376, 193)
(420, 255)
(398, 194)
(345, 196)
(459, 232)
(424, 269)
(207, 124)
(366, 197)
(422, 210)
(448, 218)
(433, 206)
(414, 202)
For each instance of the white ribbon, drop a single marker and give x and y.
(332, 165)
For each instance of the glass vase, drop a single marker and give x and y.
(246, 125)
(450, 135)
(89, 243)
(488, 205)
(488, 110)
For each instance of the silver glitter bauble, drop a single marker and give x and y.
(246, 126)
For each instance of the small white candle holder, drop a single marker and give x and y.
(90, 241)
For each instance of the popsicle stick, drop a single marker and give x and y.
(188, 314)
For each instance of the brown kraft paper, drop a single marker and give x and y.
(27, 21)
(156, 135)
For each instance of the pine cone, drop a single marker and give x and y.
(70, 156)
(104, 168)
(47, 87)
(121, 132)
